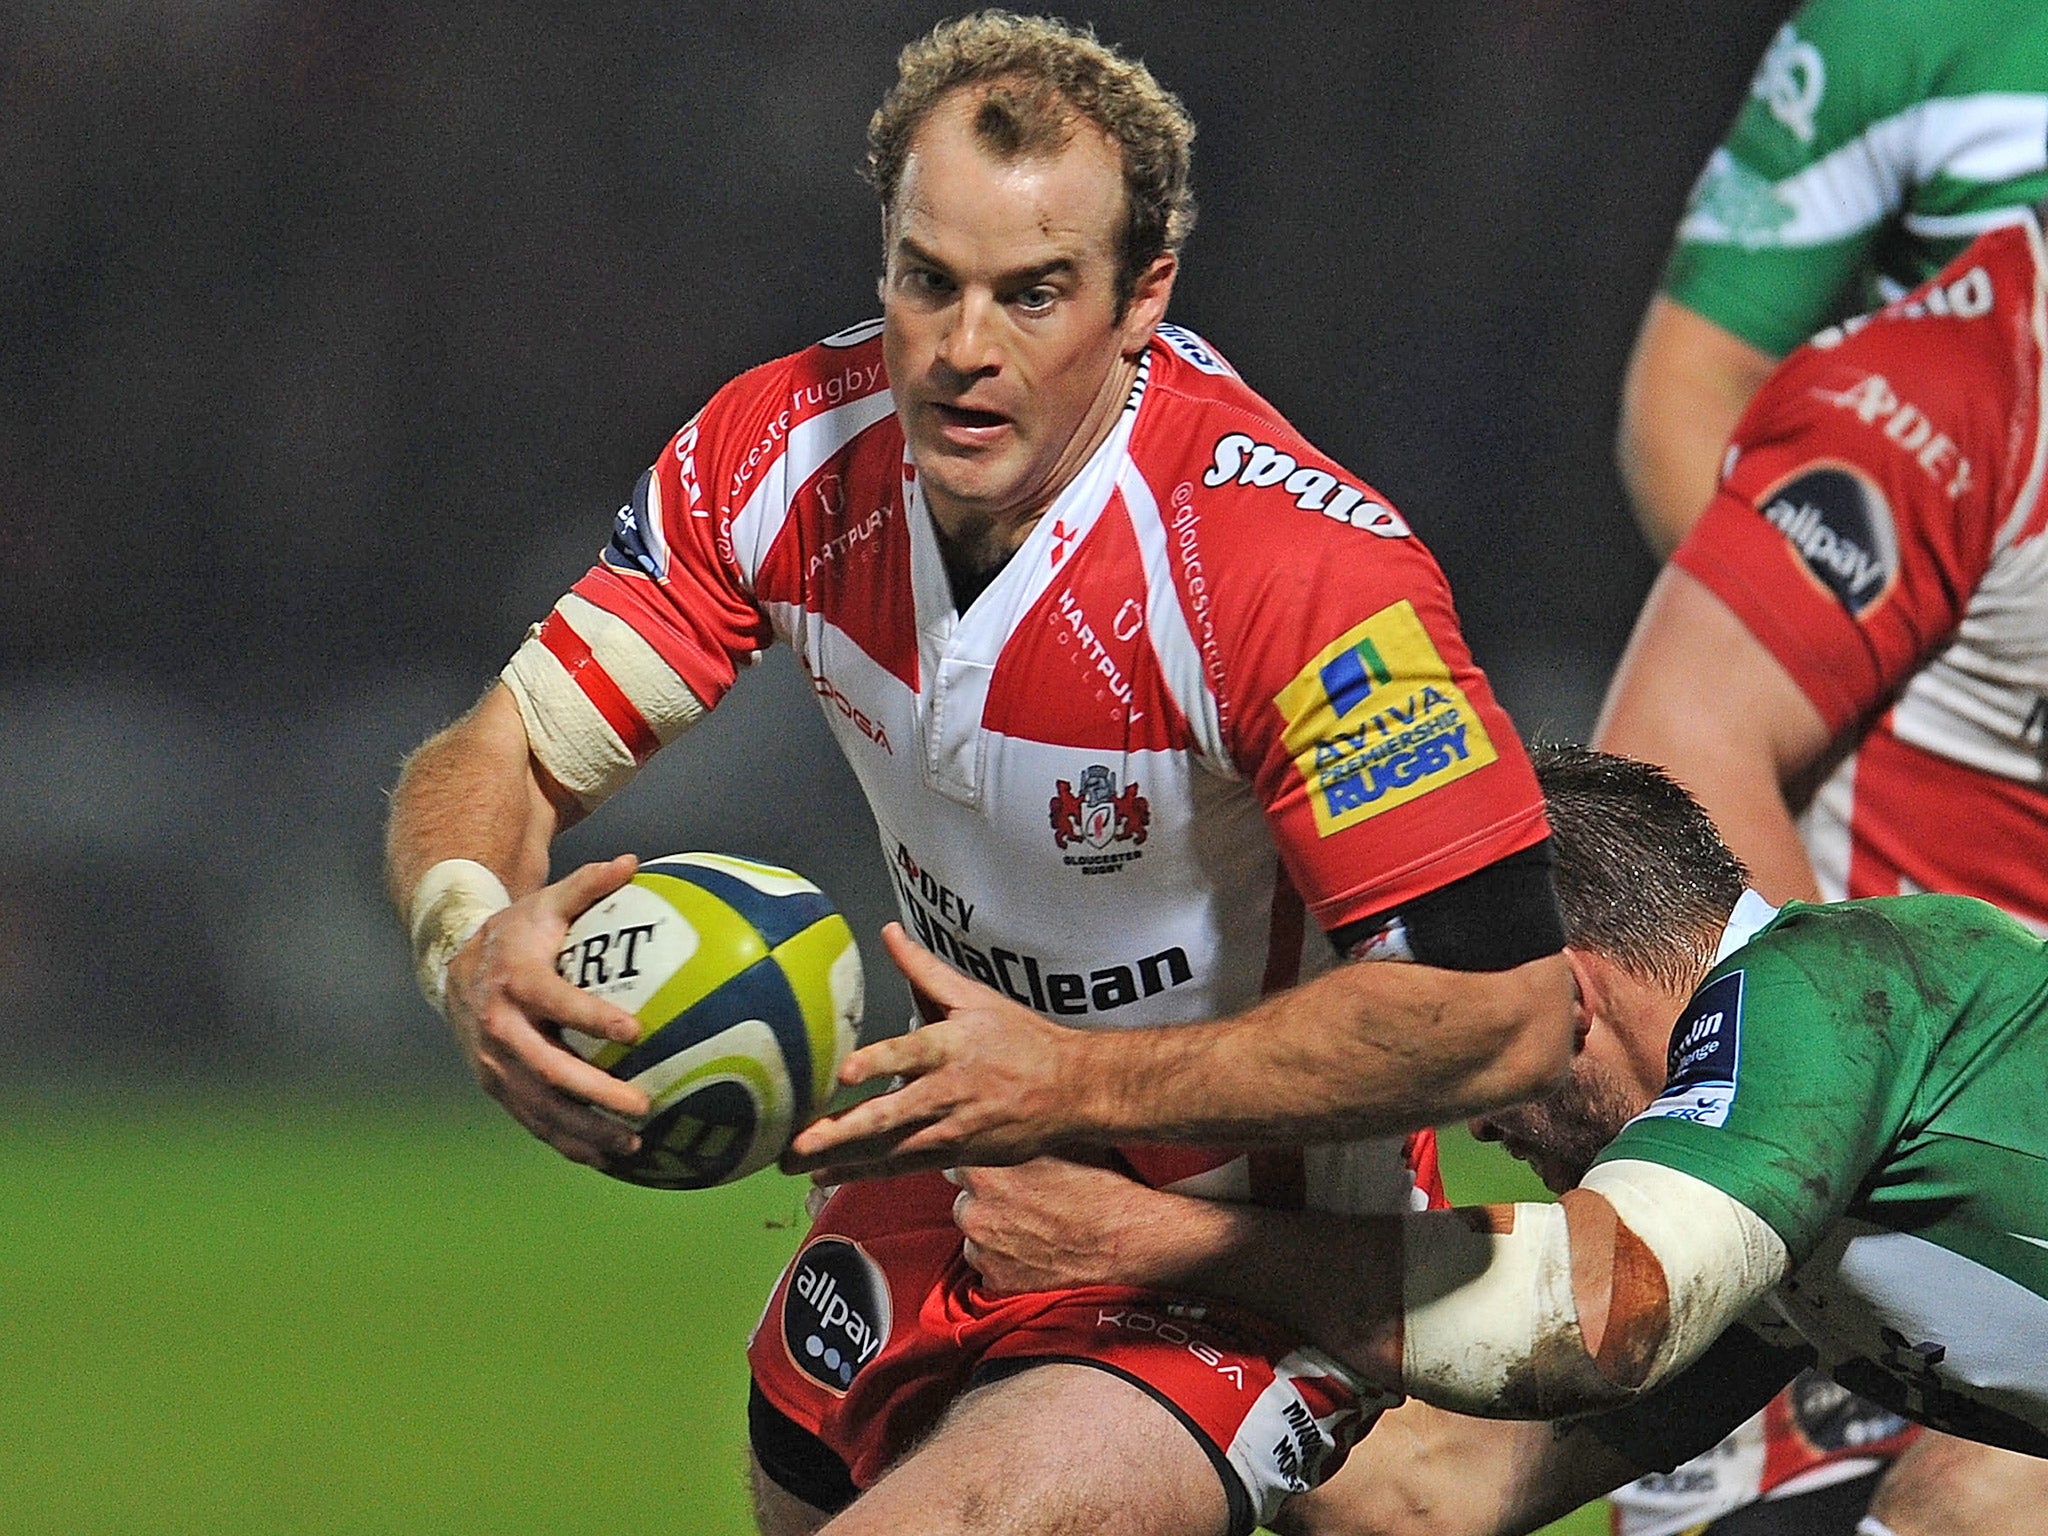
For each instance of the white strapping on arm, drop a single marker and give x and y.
(1483, 1311)
(1491, 1326)
(568, 734)
(452, 900)
(1719, 1256)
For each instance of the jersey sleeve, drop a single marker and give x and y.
(1386, 767)
(1790, 1072)
(1861, 504)
(655, 632)
(679, 567)
(1789, 206)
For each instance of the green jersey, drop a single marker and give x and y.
(1871, 1078)
(1879, 138)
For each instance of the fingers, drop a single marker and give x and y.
(506, 1003)
(909, 1055)
(577, 1130)
(928, 975)
(530, 1063)
(880, 1119)
(578, 1133)
(579, 890)
(546, 996)
(872, 1165)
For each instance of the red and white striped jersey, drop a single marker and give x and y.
(1879, 529)
(1218, 684)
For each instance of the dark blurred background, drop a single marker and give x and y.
(331, 335)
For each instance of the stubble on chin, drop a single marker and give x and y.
(1561, 1135)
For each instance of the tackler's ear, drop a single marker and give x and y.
(1589, 993)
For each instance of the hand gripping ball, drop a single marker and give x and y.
(747, 984)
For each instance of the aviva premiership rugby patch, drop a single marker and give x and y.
(1375, 721)
(1706, 1051)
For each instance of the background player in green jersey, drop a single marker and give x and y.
(1878, 139)
(1809, 1136)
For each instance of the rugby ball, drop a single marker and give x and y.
(747, 984)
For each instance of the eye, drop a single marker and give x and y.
(1037, 299)
(926, 282)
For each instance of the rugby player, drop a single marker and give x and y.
(1807, 1136)
(1157, 709)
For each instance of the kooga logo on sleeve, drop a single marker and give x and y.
(1841, 526)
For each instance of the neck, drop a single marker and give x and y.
(1649, 1037)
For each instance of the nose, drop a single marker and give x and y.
(1483, 1130)
(968, 347)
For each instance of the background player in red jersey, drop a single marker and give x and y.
(1871, 583)
(1065, 547)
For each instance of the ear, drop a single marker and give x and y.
(1592, 993)
(1148, 303)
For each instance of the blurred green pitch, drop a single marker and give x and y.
(270, 1317)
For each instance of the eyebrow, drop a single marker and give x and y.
(1018, 277)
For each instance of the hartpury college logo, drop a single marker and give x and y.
(1096, 814)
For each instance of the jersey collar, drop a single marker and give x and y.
(1750, 914)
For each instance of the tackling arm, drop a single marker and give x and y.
(1687, 383)
(1744, 746)
(1525, 1311)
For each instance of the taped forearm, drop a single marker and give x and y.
(1490, 1325)
(596, 699)
(1491, 1299)
(1491, 1322)
(1718, 1257)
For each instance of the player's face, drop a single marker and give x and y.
(1560, 1136)
(1006, 355)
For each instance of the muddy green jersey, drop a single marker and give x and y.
(1871, 1078)
(1878, 139)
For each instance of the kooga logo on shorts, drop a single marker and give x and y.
(835, 1315)
(1841, 525)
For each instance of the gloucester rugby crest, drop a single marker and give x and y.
(1104, 826)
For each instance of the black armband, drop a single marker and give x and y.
(1493, 919)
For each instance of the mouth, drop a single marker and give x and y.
(966, 424)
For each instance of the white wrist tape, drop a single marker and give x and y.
(1718, 1255)
(1870, 1525)
(1485, 1312)
(453, 899)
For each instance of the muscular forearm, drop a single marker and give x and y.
(1373, 1048)
(472, 792)
(1369, 1049)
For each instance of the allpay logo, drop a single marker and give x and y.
(835, 1317)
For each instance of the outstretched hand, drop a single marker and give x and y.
(988, 1082)
(506, 1005)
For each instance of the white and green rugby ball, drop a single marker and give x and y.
(747, 984)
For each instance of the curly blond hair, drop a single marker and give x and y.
(1037, 78)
